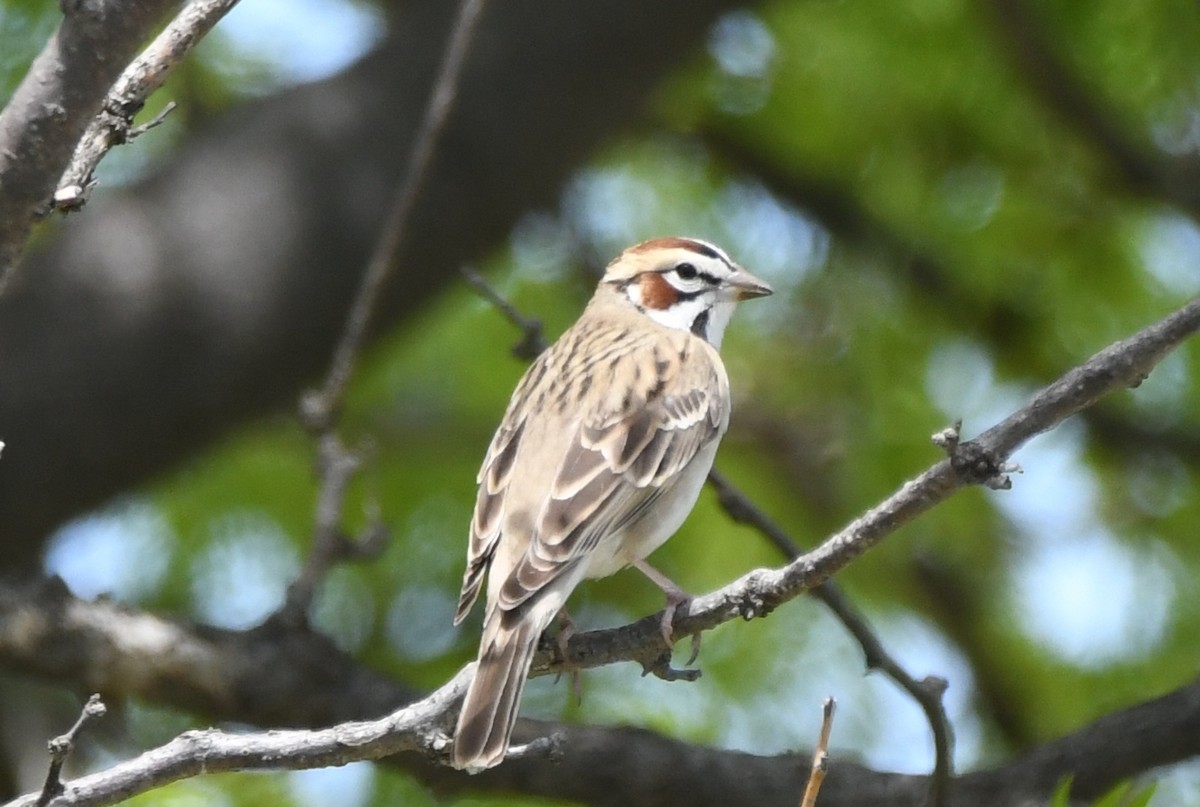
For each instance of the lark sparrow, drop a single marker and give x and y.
(600, 457)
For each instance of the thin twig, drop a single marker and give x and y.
(926, 692)
(533, 341)
(146, 74)
(820, 763)
(319, 410)
(62, 746)
(336, 467)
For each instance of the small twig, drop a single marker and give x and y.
(336, 467)
(319, 409)
(62, 746)
(158, 120)
(146, 74)
(926, 692)
(533, 342)
(820, 762)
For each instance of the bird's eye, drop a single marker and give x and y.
(686, 271)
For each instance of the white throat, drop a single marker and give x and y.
(684, 314)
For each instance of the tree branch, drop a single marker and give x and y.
(1123, 364)
(213, 751)
(55, 102)
(46, 631)
(927, 692)
(62, 746)
(421, 725)
(148, 72)
(320, 410)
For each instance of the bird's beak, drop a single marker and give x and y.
(746, 285)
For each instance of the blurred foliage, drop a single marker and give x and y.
(943, 241)
(25, 25)
(1123, 795)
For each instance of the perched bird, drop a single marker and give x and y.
(601, 455)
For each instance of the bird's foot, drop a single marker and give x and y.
(567, 629)
(676, 597)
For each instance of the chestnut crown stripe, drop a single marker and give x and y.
(690, 244)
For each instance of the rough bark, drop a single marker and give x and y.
(55, 102)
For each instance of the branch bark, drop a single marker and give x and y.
(148, 72)
(55, 102)
(125, 652)
(421, 726)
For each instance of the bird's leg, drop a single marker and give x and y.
(567, 629)
(675, 597)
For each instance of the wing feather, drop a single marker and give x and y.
(494, 477)
(621, 458)
(621, 411)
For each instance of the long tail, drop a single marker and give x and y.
(490, 707)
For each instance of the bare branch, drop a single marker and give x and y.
(820, 763)
(148, 72)
(55, 102)
(48, 632)
(319, 410)
(757, 593)
(62, 746)
(336, 467)
(412, 728)
(927, 692)
(532, 341)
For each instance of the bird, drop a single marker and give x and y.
(598, 460)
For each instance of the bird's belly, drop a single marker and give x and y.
(658, 523)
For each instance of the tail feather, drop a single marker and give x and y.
(489, 710)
